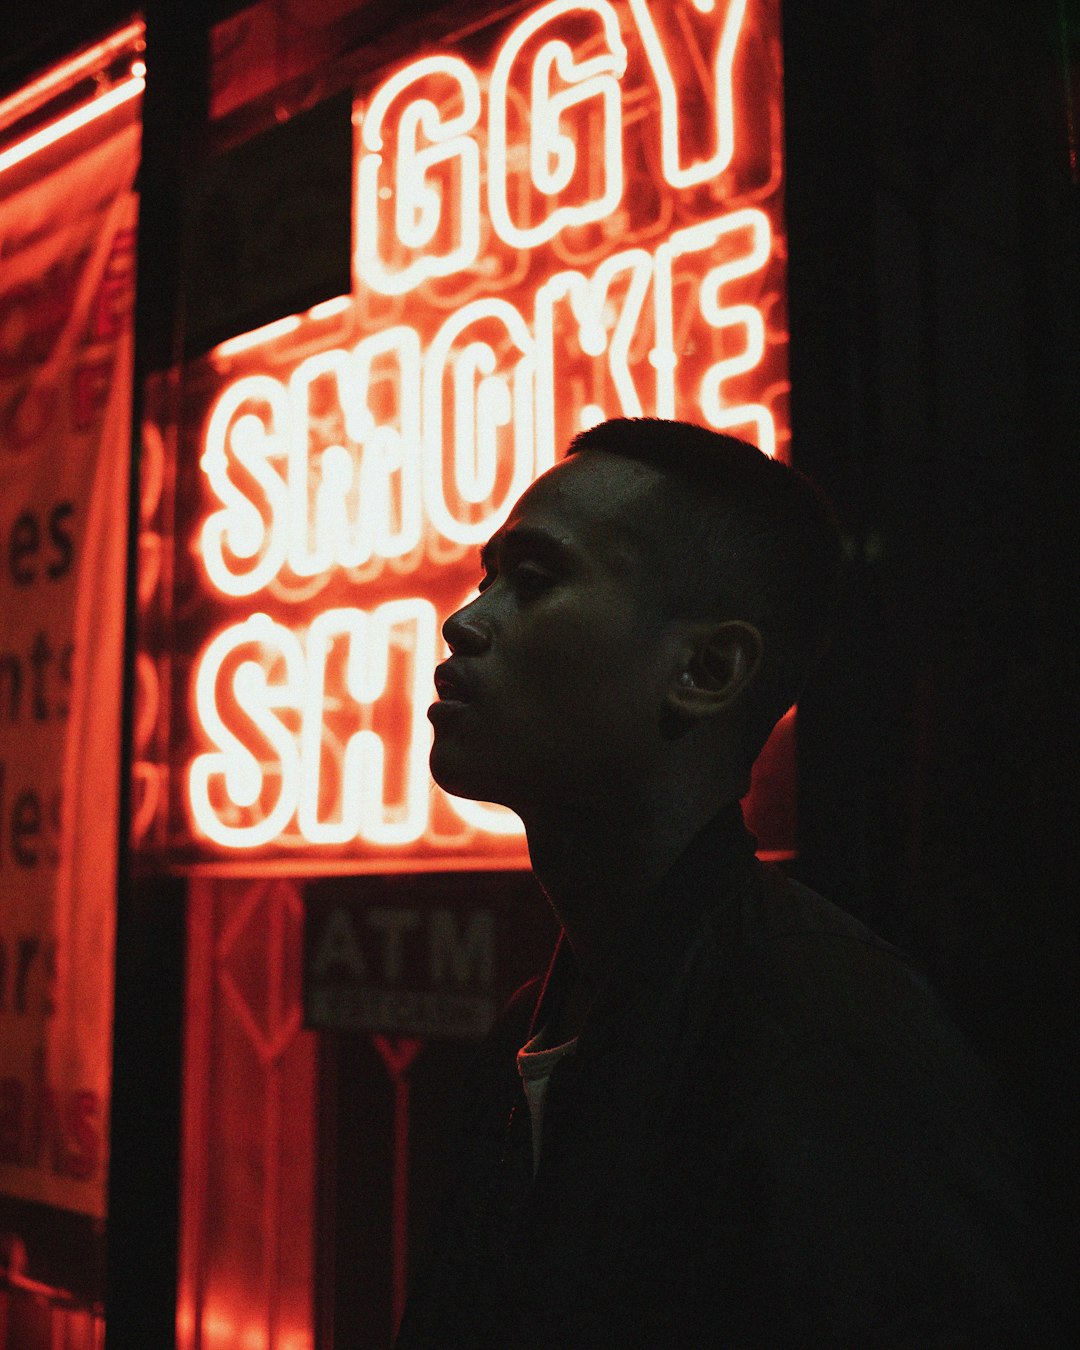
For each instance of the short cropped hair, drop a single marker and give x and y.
(765, 536)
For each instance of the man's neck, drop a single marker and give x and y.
(599, 871)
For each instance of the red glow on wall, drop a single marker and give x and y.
(583, 222)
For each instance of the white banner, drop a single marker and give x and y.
(67, 254)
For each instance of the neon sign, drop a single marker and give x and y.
(586, 223)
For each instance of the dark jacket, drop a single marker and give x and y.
(770, 1136)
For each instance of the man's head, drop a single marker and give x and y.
(649, 610)
(747, 538)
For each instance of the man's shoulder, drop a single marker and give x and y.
(836, 1029)
(782, 910)
(818, 974)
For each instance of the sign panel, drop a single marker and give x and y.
(417, 957)
(568, 215)
(65, 408)
(358, 975)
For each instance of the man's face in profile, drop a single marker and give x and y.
(559, 666)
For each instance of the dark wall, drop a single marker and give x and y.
(934, 300)
(146, 1108)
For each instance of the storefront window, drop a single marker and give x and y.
(567, 215)
(559, 213)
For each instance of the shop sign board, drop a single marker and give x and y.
(401, 969)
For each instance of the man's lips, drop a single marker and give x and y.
(451, 685)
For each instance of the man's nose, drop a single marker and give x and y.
(467, 631)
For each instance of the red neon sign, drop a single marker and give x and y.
(585, 224)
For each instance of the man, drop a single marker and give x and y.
(732, 1116)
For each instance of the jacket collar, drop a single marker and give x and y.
(715, 867)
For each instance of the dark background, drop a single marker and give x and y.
(933, 206)
(933, 218)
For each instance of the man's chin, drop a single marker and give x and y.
(459, 779)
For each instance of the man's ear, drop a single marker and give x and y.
(720, 661)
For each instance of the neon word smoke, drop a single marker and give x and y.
(574, 230)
